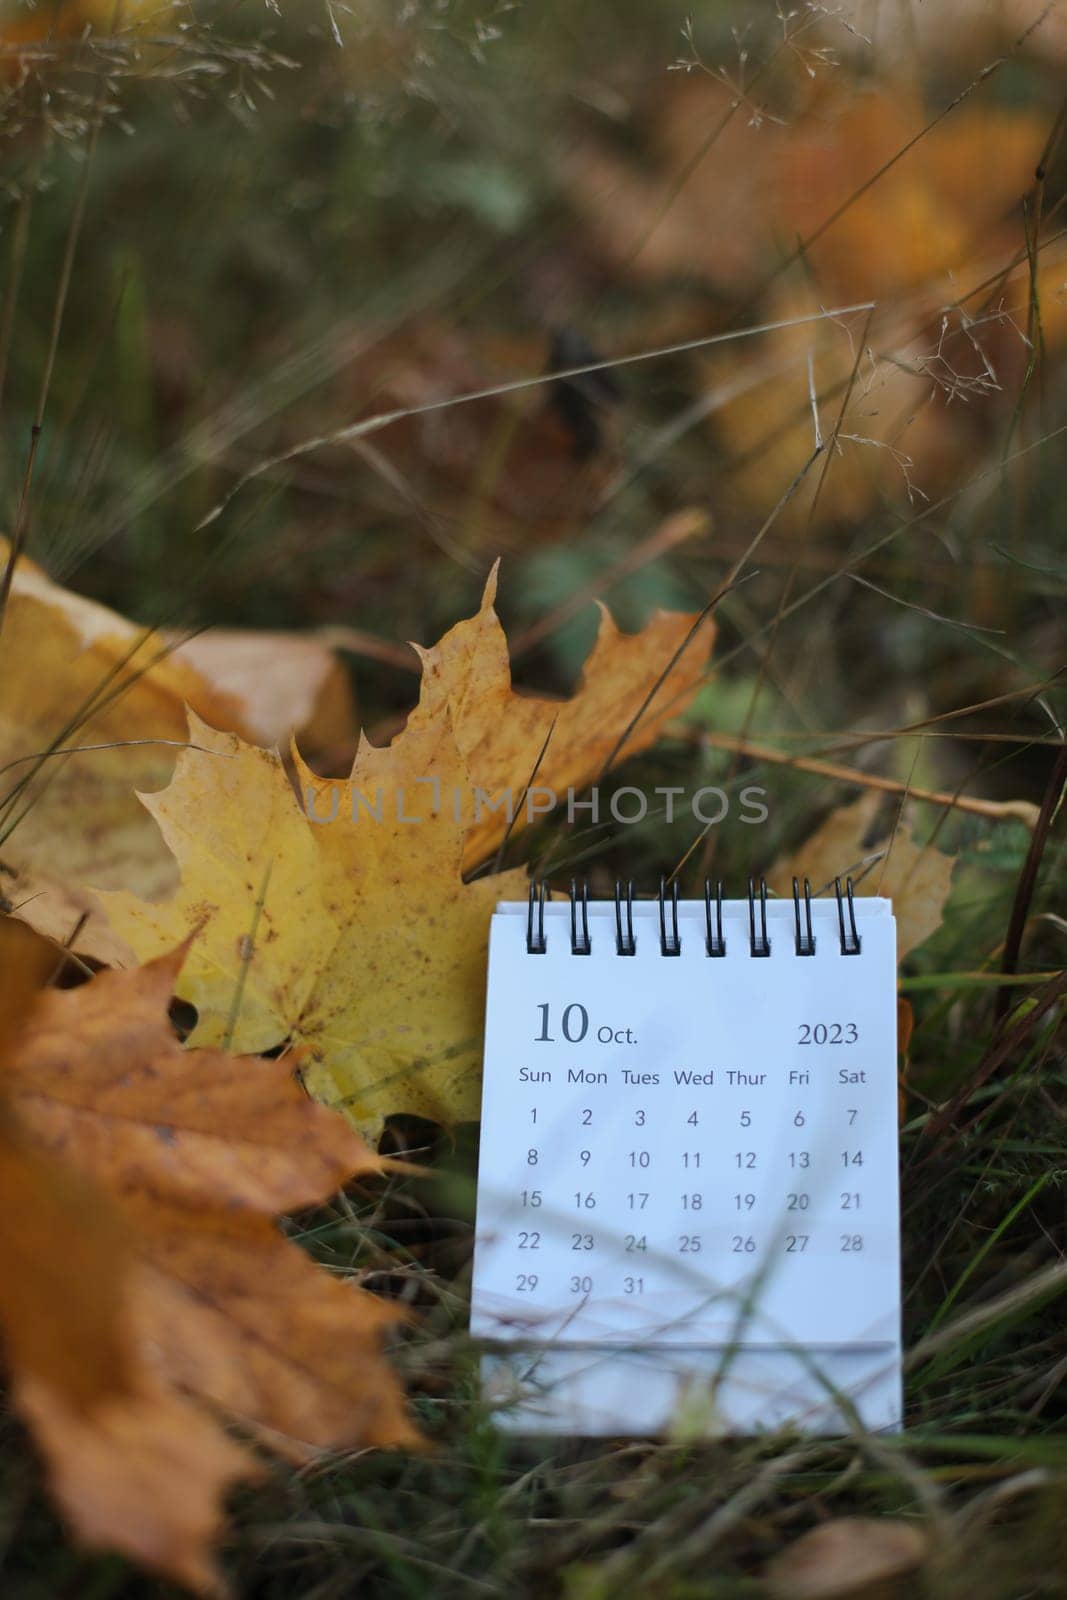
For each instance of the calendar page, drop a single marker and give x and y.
(688, 1177)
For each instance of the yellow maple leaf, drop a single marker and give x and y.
(356, 937)
(76, 677)
(182, 1300)
(631, 685)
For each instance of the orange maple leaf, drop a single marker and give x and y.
(182, 1299)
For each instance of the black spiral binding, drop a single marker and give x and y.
(850, 941)
(580, 946)
(670, 941)
(625, 943)
(758, 944)
(715, 944)
(669, 944)
(805, 943)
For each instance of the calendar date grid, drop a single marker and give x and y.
(631, 1186)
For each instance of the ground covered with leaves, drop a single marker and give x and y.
(325, 329)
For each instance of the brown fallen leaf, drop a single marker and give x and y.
(284, 684)
(493, 471)
(916, 877)
(182, 1301)
(131, 1467)
(905, 402)
(81, 1354)
(143, 1473)
(203, 1151)
(724, 192)
(724, 195)
(867, 1558)
(60, 910)
(75, 675)
(42, 1205)
(702, 212)
(934, 210)
(897, 436)
(358, 939)
(69, 820)
(26, 961)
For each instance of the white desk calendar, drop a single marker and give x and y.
(688, 1204)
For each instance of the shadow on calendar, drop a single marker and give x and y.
(702, 1392)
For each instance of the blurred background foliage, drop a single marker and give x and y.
(297, 218)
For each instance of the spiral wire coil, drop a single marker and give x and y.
(670, 938)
